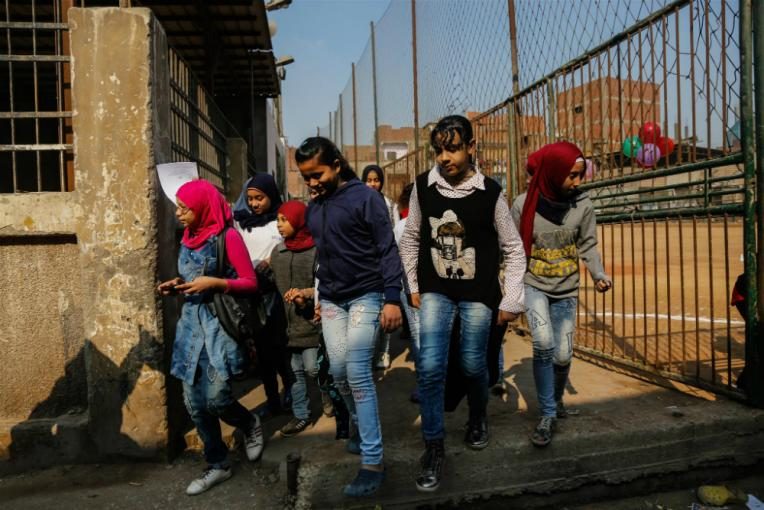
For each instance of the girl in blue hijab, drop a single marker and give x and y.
(255, 213)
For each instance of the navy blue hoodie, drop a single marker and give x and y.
(357, 253)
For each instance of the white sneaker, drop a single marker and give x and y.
(210, 478)
(253, 440)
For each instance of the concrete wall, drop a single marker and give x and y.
(84, 332)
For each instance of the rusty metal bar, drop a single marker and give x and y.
(34, 25)
(36, 147)
(34, 58)
(35, 115)
(513, 47)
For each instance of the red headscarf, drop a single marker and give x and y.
(210, 208)
(294, 212)
(549, 166)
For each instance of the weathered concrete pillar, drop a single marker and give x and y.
(237, 167)
(114, 80)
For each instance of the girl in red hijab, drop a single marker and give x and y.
(558, 227)
(204, 357)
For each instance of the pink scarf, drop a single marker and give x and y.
(212, 212)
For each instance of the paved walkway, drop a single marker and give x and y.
(627, 431)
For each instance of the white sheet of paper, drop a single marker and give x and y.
(754, 503)
(174, 175)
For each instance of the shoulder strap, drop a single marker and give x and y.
(221, 252)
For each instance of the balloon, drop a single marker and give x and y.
(666, 145)
(591, 168)
(631, 145)
(648, 155)
(650, 132)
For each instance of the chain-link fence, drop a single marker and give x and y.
(654, 93)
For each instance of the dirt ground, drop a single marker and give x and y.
(669, 307)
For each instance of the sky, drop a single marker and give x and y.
(324, 37)
(463, 59)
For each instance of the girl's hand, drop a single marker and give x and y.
(415, 300)
(203, 283)
(263, 265)
(295, 296)
(391, 319)
(505, 317)
(167, 288)
(603, 285)
(290, 295)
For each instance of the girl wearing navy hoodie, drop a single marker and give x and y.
(359, 275)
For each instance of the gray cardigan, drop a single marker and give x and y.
(295, 270)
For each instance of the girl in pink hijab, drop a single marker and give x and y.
(204, 357)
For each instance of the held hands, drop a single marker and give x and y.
(415, 300)
(298, 296)
(390, 318)
(317, 314)
(505, 317)
(603, 285)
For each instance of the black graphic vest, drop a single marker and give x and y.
(459, 251)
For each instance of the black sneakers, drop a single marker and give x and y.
(476, 436)
(542, 434)
(432, 466)
(294, 427)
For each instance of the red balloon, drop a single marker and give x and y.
(650, 132)
(666, 145)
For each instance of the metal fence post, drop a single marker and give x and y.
(355, 121)
(758, 49)
(753, 344)
(552, 111)
(511, 165)
(416, 85)
(342, 129)
(374, 88)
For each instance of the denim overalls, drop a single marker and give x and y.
(205, 357)
(197, 328)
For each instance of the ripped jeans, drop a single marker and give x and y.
(553, 325)
(350, 328)
(209, 400)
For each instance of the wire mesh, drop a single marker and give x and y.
(463, 56)
(596, 73)
(549, 35)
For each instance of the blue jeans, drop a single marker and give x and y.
(303, 365)
(350, 328)
(208, 400)
(412, 315)
(437, 314)
(553, 325)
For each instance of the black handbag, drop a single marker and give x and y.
(242, 317)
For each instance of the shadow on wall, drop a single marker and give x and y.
(86, 435)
